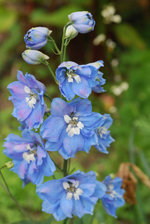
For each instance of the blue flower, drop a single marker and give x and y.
(27, 97)
(82, 21)
(34, 57)
(71, 127)
(79, 80)
(113, 197)
(30, 158)
(103, 135)
(75, 194)
(36, 37)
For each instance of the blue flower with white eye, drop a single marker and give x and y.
(103, 134)
(79, 80)
(113, 197)
(70, 127)
(75, 194)
(82, 21)
(31, 160)
(28, 99)
(36, 37)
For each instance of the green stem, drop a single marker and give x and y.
(55, 45)
(65, 221)
(50, 69)
(48, 97)
(65, 167)
(12, 197)
(63, 47)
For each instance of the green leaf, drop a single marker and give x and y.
(57, 18)
(7, 19)
(128, 36)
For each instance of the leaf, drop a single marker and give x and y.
(58, 18)
(128, 36)
(7, 19)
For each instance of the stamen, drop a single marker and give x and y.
(32, 98)
(71, 75)
(27, 89)
(29, 155)
(74, 126)
(72, 190)
(102, 131)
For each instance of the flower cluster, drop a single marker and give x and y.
(68, 128)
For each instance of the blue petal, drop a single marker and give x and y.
(52, 127)
(60, 108)
(66, 206)
(72, 145)
(82, 88)
(91, 121)
(78, 208)
(83, 107)
(50, 190)
(66, 90)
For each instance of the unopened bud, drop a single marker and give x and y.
(34, 56)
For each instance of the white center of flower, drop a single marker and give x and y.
(74, 125)
(71, 75)
(32, 98)
(111, 191)
(102, 131)
(72, 190)
(29, 155)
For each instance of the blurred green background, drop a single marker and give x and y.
(126, 55)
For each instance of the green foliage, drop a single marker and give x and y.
(128, 36)
(7, 19)
(58, 18)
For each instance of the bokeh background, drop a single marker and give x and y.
(124, 45)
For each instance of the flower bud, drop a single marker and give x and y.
(82, 21)
(71, 32)
(9, 164)
(36, 37)
(34, 57)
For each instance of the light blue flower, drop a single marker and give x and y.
(34, 57)
(113, 197)
(79, 80)
(82, 21)
(31, 160)
(75, 194)
(103, 134)
(71, 127)
(36, 37)
(27, 97)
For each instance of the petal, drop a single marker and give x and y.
(49, 207)
(82, 106)
(72, 145)
(66, 90)
(66, 206)
(82, 88)
(88, 205)
(52, 127)
(20, 167)
(50, 190)
(59, 107)
(91, 121)
(78, 208)
(17, 90)
(21, 110)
